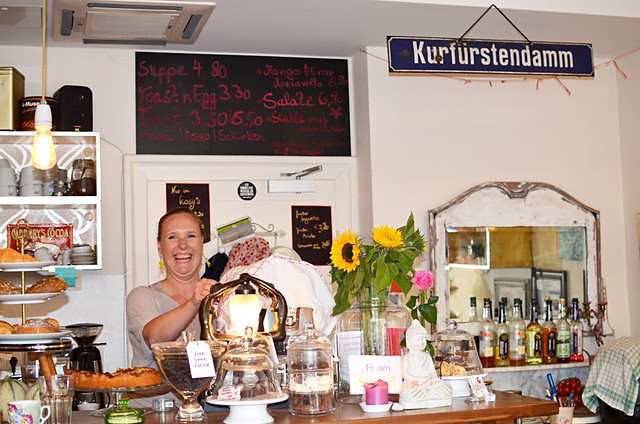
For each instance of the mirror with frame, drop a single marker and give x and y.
(513, 239)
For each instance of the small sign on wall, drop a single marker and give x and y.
(193, 196)
(311, 233)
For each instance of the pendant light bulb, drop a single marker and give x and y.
(44, 154)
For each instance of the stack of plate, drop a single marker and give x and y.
(82, 254)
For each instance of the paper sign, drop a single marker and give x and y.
(369, 368)
(200, 359)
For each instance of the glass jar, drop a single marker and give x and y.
(455, 352)
(247, 372)
(124, 415)
(309, 360)
(372, 326)
(83, 177)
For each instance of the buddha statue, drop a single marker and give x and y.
(421, 387)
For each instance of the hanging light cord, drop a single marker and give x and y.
(44, 40)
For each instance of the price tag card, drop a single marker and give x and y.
(370, 368)
(200, 359)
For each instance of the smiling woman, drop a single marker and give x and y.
(161, 311)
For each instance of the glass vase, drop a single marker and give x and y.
(367, 329)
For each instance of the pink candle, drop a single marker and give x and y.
(377, 393)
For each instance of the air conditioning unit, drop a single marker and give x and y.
(129, 22)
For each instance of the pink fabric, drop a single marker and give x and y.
(248, 252)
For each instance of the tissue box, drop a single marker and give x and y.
(11, 91)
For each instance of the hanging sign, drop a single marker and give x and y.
(467, 56)
(193, 196)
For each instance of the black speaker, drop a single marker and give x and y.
(75, 108)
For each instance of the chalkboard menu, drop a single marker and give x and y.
(241, 105)
(312, 231)
(193, 196)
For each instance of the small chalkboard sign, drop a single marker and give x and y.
(208, 104)
(312, 232)
(195, 197)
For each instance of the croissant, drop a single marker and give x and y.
(11, 255)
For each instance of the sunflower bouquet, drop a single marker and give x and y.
(365, 271)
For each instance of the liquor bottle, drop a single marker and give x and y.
(533, 334)
(563, 347)
(507, 309)
(473, 310)
(549, 335)
(473, 318)
(487, 336)
(576, 332)
(517, 346)
(502, 337)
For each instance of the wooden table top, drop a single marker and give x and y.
(507, 406)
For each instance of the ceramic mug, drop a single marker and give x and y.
(8, 190)
(29, 175)
(20, 411)
(7, 176)
(31, 190)
(4, 163)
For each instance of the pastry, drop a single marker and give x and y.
(123, 377)
(48, 285)
(37, 325)
(6, 328)
(11, 255)
(7, 287)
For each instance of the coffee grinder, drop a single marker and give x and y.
(85, 357)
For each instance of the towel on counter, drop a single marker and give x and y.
(300, 283)
(613, 376)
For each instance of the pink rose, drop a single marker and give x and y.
(423, 280)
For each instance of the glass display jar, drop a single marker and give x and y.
(372, 326)
(455, 352)
(309, 359)
(247, 372)
(83, 177)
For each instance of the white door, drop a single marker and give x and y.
(147, 176)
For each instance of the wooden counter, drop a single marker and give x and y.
(506, 409)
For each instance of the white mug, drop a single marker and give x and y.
(31, 190)
(7, 176)
(4, 163)
(8, 190)
(18, 410)
(29, 175)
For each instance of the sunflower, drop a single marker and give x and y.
(387, 237)
(345, 252)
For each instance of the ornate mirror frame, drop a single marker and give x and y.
(512, 204)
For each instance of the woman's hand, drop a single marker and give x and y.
(202, 290)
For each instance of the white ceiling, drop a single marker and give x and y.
(343, 27)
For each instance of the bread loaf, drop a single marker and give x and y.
(6, 328)
(47, 285)
(7, 287)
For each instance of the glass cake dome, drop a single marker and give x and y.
(455, 352)
(247, 380)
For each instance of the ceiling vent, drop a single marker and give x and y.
(129, 22)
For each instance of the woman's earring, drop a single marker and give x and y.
(161, 265)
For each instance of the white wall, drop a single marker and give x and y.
(629, 93)
(431, 139)
(434, 137)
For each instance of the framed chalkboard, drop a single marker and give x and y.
(206, 104)
(195, 197)
(312, 233)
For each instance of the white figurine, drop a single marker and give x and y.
(421, 387)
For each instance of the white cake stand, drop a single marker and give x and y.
(247, 411)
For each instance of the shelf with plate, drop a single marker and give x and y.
(83, 212)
